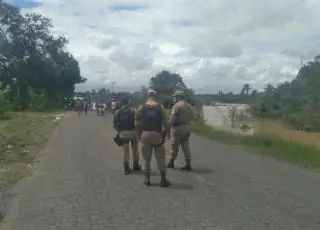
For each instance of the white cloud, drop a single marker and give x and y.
(214, 44)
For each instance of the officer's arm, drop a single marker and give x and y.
(116, 121)
(137, 122)
(166, 124)
(174, 115)
(194, 112)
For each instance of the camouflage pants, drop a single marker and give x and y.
(149, 142)
(180, 137)
(129, 137)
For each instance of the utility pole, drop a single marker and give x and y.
(301, 61)
(112, 86)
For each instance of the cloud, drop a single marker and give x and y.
(127, 7)
(214, 44)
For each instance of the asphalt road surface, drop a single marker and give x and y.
(79, 185)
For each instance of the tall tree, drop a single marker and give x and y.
(296, 102)
(31, 58)
(166, 82)
(245, 89)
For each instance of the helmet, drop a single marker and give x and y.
(178, 93)
(152, 92)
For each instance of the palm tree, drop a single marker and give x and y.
(245, 89)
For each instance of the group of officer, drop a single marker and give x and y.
(149, 126)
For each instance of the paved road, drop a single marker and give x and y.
(79, 185)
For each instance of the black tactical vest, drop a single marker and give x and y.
(152, 118)
(125, 118)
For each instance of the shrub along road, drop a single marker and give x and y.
(79, 184)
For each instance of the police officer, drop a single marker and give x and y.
(181, 116)
(150, 120)
(124, 124)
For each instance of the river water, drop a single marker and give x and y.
(228, 117)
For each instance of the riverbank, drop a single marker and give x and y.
(287, 150)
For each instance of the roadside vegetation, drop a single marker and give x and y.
(21, 138)
(36, 74)
(287, 150)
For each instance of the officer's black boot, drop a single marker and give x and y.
(146, 181)
(164, 182)
(136, 166)
(187, 166)
(170, 164)
(127, 169)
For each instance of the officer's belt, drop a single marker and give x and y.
(163, 134)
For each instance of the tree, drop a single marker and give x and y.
(166, 82)
(245, 89)
(296, 102)
(254, 92)
(32, 60)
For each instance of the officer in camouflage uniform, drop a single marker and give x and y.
(181, 116)
(150, 120)
(124, 124)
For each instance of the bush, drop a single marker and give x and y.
(5, 106)
(37, 100)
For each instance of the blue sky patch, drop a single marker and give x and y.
(26, 3)
(130, 7)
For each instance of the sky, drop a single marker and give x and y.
(213, 44)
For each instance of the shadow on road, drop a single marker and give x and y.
(197, 170)
(203, 171)
(141, 173)
(177, 186)
(181, 186)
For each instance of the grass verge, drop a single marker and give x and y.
(286, 150)
(21, 138)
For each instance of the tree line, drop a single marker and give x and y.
(36, 70)
(297, 102)
(245, 96)
(165, 82)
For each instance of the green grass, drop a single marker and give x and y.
(293, 152)
(25, 133)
